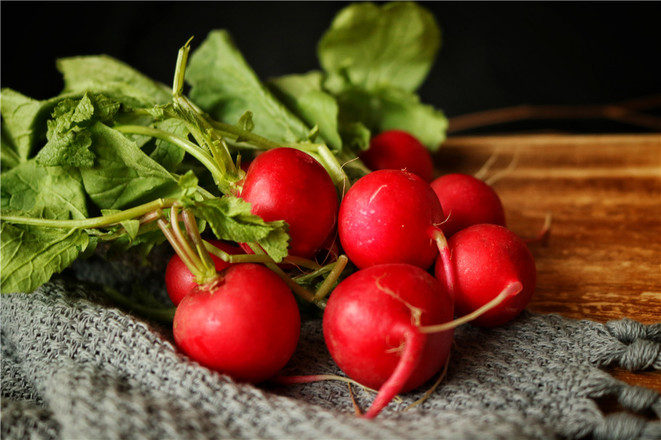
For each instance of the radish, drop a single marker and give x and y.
(179, 280)
(386, 217)
(397, 150)
(486, 259)
(467, 201)
(290, 185)
(372, 327)
(245, 325)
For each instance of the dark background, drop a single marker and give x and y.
(494, 54)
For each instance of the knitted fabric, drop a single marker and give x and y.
(76, 368)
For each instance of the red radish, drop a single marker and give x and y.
(397, 150)
(179, 280)
(487, 259)
(290, 185)
(247, 325)
(467, 201)
(386, 217)
(372, 327)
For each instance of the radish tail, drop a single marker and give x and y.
(414, 344)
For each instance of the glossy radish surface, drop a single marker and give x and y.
(179, 281)
(247, 326)
(467, 201)
(290, 185)
(386, 217)
(486, 259)
(371, 326)
(397, 150)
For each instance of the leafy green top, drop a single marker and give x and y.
(115, 155)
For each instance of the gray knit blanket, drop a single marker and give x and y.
(76, 367)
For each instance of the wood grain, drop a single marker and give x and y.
(602, 258)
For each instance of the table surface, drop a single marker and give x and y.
(602, 257)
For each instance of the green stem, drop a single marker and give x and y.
(180, 69)
(244, 135)
(320, 151)
(295, 287)
(332, 277)
(166, 228)
(193, 232)
(203, 273)
(236, 258)
(205, 134)
(333, 167)
(189, 147)
(305, 277)
(92, 222)
(200, 127)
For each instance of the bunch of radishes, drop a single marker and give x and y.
(422, 252)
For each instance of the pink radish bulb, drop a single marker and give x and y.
(487, 259)
(246, 326)
(179, 281)
(398, 150)
(386, 217)
(371, 328)
(467, 201)
(290, 185)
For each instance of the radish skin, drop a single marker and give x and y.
(467, 201)
(246, 325)
(289, 184)
(371, 328)
(386, 217)
(399, 150)
(487, 259)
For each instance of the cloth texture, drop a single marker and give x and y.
(76, 367)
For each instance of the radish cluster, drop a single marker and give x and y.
(242, 319)
(427, 255)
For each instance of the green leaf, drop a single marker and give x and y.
(23, 123)
(131, 227)
(112, 78)
(52, 192)
(374, 46)
(304, 95)
(356, 136)
(31, 255)
(9, 156)
(225, 86)
(123, 175)
(390, 108)
(166, 154)
(188, 184)
(70, 148)
(230, 218)
(68, 139)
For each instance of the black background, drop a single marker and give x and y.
(494, 54)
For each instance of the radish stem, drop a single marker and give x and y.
(194, 234)
(296, 288)
(92, 222)
(511, 290)
(332, 277)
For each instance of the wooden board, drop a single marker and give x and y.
(602, 258)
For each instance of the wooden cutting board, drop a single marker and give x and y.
(602, 258)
